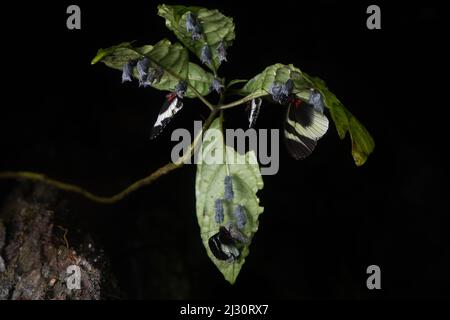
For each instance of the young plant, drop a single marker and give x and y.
(227, 204)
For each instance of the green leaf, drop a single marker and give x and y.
(247, 180)
(216, 27)
(362, 142)
(172, 58)
(280, 73)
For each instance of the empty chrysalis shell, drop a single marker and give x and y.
(180, 88)
(281, 93)
(127, 71)
(191, 22)
(317, 101)
(219, 214)
(240, 215)
(275, 91)
(222, 52)
(154, 75)
(216, 85)
(193, 26)
(142, 68)
(287, 88)
(205, 55)
(228, 194)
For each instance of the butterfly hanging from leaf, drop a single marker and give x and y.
(305, 122)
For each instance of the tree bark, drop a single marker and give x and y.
(35, 253)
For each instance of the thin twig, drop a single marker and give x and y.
(241, 101)
(33, 176)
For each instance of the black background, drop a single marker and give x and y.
(325, 219)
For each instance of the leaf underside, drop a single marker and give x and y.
(216, 27)
(362, 142)
(247, 181)
(172, 58)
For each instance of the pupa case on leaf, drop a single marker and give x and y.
(222, 52)
(142, 68)
(317, 101)
(205, 55)
(281, 93)
(154, 75)
(193, 26)
(216, 85)
(240, 215)
(180, 88)
(127, 71)
(218, 211)
(228, 184)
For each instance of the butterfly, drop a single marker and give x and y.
(305, 122)
(171, 106)
(223, 246)
(253, 111)
(227, 243)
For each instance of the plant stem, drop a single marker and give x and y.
(241, 101)
(33, 176)
(206, 102)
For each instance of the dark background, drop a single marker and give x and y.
(325, 219)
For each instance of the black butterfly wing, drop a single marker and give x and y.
(170, 107)
(304, 126)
